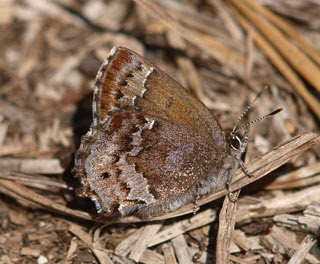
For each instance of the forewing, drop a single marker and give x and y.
(127, 81)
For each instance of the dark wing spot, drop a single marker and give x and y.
(105, 175)
(115, 158)
(118, 172)
(127, 140)
(129, 75)
(119, 95)
(142, 119)
(124, 83)
(124, 187)
(136, 167)
(134, 129)
(127, 143)
(140, 67)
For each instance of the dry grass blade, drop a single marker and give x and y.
(298, 60)
(302, 177)
(205, 42)
(169, 255)
(281, 64)
(293, 55)
(41, 166)
(20, 192)
(287, 241)
(34, 180)
(101, 255)
(292, 202)
(287, 29)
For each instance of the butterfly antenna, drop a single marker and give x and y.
(258, 119)
(235, 128)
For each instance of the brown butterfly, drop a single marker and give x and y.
(152, 146)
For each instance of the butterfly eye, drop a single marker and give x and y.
(235, 142)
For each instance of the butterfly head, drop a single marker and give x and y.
(237, 142)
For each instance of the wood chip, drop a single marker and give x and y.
(40, 166)
(196, 221)
(181, 249)
(150, 256)
(227, 218)
(302, 251)
(80, 233)
(308, 222)
(146, 236)
(27, 251)
(169, 255)
(126, 245)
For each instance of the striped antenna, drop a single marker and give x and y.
(235, 128)
(257, 120)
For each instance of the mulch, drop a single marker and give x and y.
(224, 52)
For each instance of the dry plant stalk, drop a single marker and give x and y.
(227, 219)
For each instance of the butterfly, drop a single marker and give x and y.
(152, 146)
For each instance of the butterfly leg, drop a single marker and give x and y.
(244, 169)
(232, 197)
(195, 202)
(230, 171)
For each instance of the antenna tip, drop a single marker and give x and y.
(276, 111)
